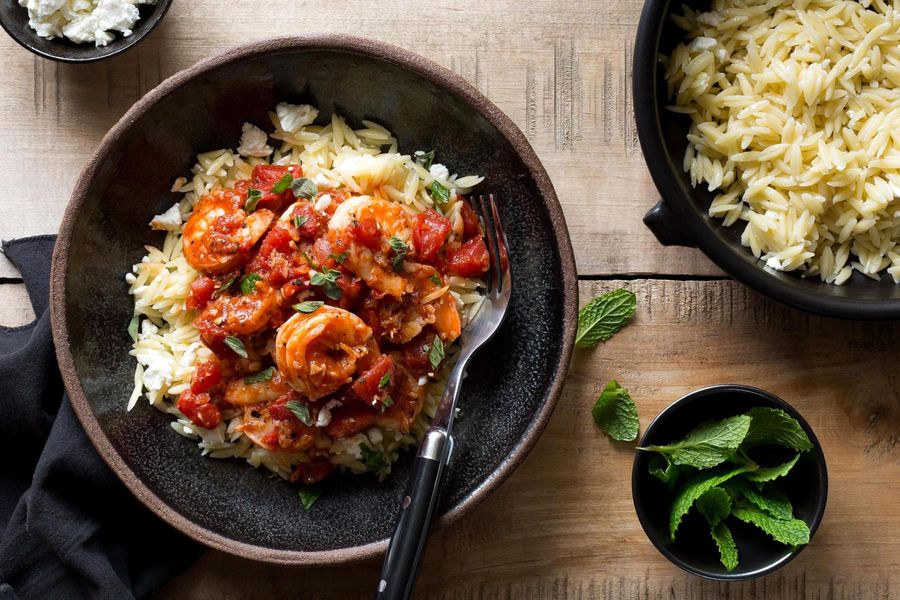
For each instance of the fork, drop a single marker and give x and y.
(404, 555)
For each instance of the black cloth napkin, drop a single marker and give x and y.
(68, 526)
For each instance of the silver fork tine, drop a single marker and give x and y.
(490, 234)
(502, 253)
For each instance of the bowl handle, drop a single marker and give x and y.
(667, 226)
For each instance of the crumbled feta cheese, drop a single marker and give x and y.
(323, 202)
(423, 380)
(253, 142)
(294, 116)
(439, 171)
(169, 220)
(774, 263)
(375, 436)
(148, 328)
(157, 370)
(83, 21)
(130, 278)
(324, 417)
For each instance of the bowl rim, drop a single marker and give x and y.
(746, 390)
(160, 9)
(676, 198)
(418, 65)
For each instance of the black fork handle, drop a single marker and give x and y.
(404, 555)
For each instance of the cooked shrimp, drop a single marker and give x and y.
(319, 352)
(370, 256)
(274, 427)
(243, 315)
(218, 236)
(240, 393)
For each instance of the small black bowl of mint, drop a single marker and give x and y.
(729, 482)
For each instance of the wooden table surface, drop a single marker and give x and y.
(563, 525)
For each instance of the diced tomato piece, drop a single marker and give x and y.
(312, 221)
(312, 472)
(202, 290)
(199, 409)
(471, 222)
(469, 260)
(265, 177)
(368, 386)
(270, 440)
(365, 231)
(415, 353)
(207, 375)
(430, 233)
(277, 240)
(279, 410)
(351, 290)
(349, 420)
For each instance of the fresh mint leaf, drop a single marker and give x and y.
(261, 376)
(615, 413)
(773, 426)
(714, 505)
(133, 327)
(385, 380)
(308, 495)
(771, 473)
(327, 278)
(224, 286)
(424, 158)
(301, 411)
(435, 279)
(253, 197)
(766, 498)
(436, 352)
(236, 345)
(309, 306)
(300, 220)
(603, 316)
(792, 532)
(728, 552)
(372, 458)
(695, 487)
(439, 193)
(662, 469)
(248, 283)
(708, 444)
(303, 187)
(283, 184)
(400, 250)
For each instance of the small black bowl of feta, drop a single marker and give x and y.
(80, 31)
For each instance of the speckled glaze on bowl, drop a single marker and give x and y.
(509, 393)
(14, 19)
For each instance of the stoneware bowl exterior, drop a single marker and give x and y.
(694, 550)
(512, 385)
(14, 19)
(681, 217)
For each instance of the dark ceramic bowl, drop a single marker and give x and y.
(14, 19)
(681, 217)
(694, 550)
(509, 393)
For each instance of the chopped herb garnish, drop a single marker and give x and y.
(326, 278)
(253, 197)
(303, 187)
(439, 193)
(283, 184)
(308, 306)
(300, 411)
(309, 495)
(385, 380)
(386, 403)
(436, 352)
(338, 258)
(236, 345)
(133, 327)
(400, 250)
(224, 286)
(372, 458)
(248, 283)
(300, 220)
(435, 279)
(264, 375)
(425, 158)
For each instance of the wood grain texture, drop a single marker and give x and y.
(560, 71)
(563, 526)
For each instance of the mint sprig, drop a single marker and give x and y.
(707, 445)
(615, 413)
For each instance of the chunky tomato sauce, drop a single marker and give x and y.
(326, 313)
